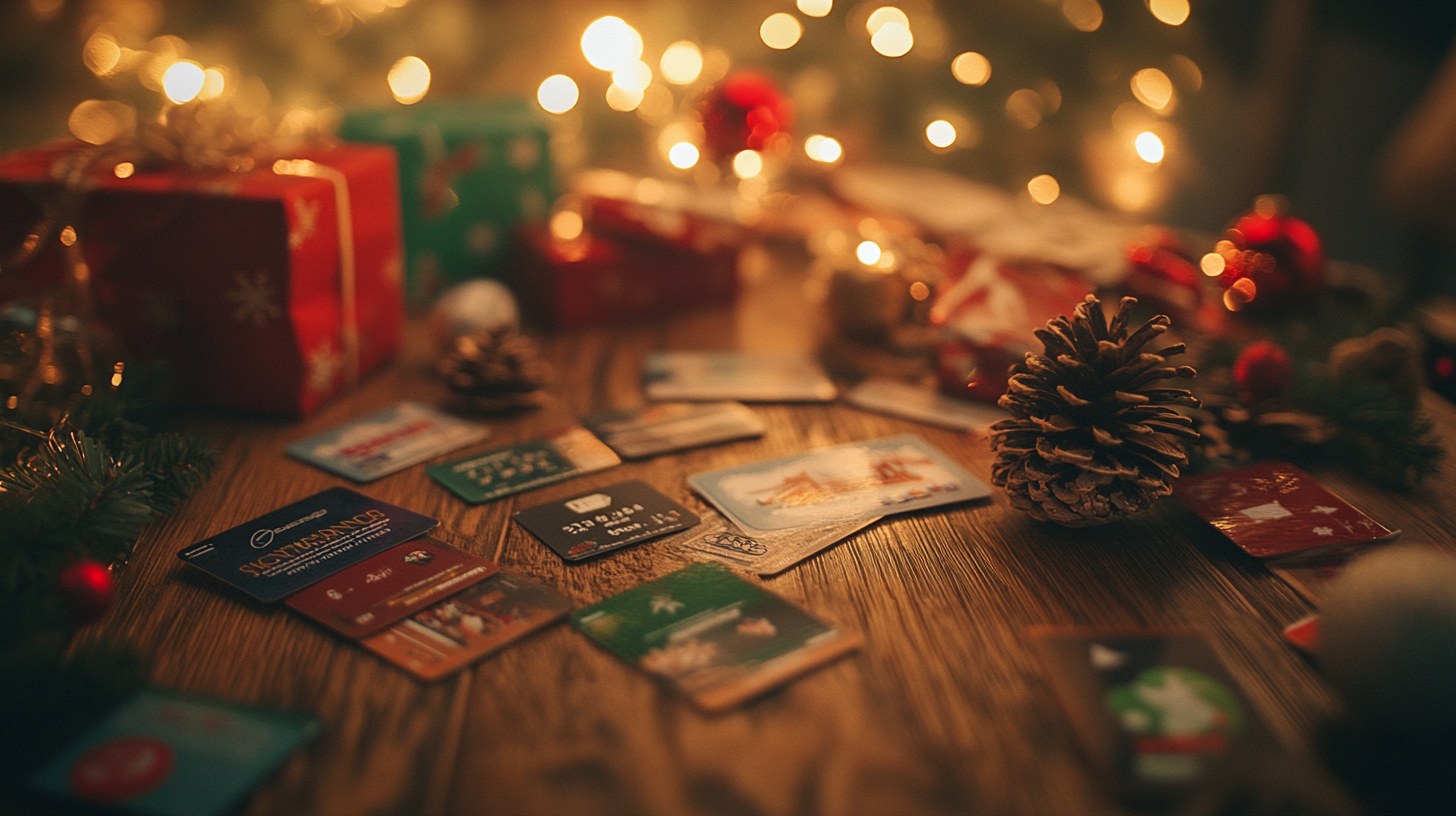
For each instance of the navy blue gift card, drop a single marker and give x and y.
(279, 553)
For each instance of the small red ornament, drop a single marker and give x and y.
(1161, 273)
(1271, 260)
(88, 590)
(744, 112)
(1262, 371)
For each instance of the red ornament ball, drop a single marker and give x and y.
(743, 112)
(1271, 260)
(1263, 371)
(88, 590)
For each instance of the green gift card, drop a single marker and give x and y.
(713, 635)
(525, 466)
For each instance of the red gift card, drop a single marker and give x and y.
(1275, 510)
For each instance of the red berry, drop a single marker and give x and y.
(1263, 371)
(88, 589)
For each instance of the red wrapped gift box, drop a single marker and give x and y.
(267, 291)
(594, 279)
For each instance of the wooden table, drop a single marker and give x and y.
(945, 710)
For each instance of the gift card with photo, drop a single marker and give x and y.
(475, 622)
(923, 405)
(637, 433)
(734, 375)
(494, 474)
(279, 553)
(606, 519)
(1155, 709)
(762, 552)
(1274, 510)
(388, 441)
(713, 635)
(859, 481)
(372, 594)
(171, 754)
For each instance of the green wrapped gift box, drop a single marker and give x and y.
(470, 172)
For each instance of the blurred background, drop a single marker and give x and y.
(1243, 97)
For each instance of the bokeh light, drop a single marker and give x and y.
(1084, 15)
(558, 93)
(123, 170)
(780, 31)
(214, 82)
(681, 63)
(634, 76)
(747, 164)
(816, 8)
(183, 81)
(1152, 88)
(940, 133)
(1044, 189)
(101, 54)
(409, 80)
(1026, 108)
(623, 99)
(885, 14)
(971, 68)
(822, 148)
(868, 253)
(1212, 264)
(1172, 12)
(683, 155)
(893, 39)
(99, 122)
(609, 43)
(1149, 147)
(567, 225)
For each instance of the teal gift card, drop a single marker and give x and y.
(168, 754)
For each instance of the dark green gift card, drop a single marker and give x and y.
(525, 466)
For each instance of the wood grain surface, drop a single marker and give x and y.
(945, 710)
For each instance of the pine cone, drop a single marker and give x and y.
(496, 372)
(1094, 438)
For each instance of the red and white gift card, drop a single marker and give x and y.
(1274, 510)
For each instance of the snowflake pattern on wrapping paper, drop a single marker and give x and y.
(254, 299)
(305, 217)
(324, 364)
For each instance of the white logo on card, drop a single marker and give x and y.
(1105, 658)
(261, 539)
(1263, 512)
(586, 504)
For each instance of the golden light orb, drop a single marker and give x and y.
(971, 68)
(683, 155)
(634, 76)
(623, 99)
(609, 43)
(214, 82)
(893, 39)
(557, 93)
(1172, 12)
(567, 225)
(101, 54)
(940, 133)
(681, 63)
(1149, 147)
(815, 8)
(1212, 264)
(183, 81)
(780, 31)
(98, 122)
(822, 148)
(1153, 88)
(868, 253)
(1044, 189)
(885, 14)
(1084, 15)
(747, 164)
(409, 80)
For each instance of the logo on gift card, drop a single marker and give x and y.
(261, 539)
(586, 504)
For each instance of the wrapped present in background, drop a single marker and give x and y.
(469, 173)
(263, 291)
(627, 249)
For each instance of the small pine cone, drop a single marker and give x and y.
(496, 372)
(1094, 439)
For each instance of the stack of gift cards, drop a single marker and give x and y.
(1155, 710)
(712, 635)
(170, 754)
(733, 375)
(1278, 513)
(391, 440)
(361, 567)
(562, 454)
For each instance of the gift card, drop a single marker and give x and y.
(526, 466)
(279, 553)
(1155, 709)
(714, 636)
(167, 754)
(637, 433)
(378, 591)
(1276, 510)
(923, 405)
(478, 620)
(763, 552)
(391, 440)
(606, 519)
(860, 481)
(734, 375)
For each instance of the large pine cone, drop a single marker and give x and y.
(1094, 440)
